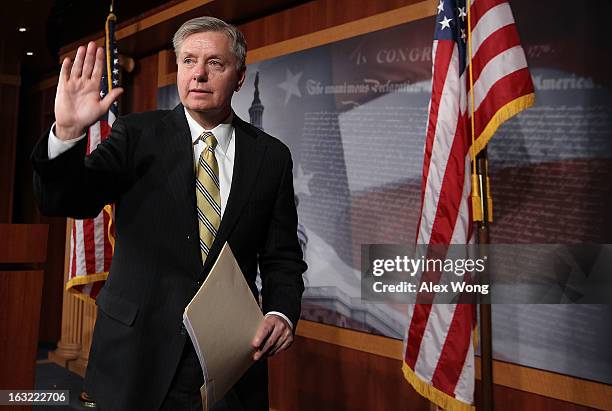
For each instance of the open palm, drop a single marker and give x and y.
(77, 101)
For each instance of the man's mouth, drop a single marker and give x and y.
(197, 90)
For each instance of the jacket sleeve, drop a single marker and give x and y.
(76, 185)
(281, 261)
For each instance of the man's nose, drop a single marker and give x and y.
(200, 73)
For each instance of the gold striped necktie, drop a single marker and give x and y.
(207, 194)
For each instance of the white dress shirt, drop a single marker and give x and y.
(224, 153)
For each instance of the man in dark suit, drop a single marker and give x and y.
(183, 183)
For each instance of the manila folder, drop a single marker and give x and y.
(222, 319)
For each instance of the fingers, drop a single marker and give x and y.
(270, 343)
(288, 340)
(110, 97)
(85, 61)
(282, 344)
(264, 330)
(77, 66)
(99, 64)
(90, 57)
(275, 333)
(65, 70)
(265, 335)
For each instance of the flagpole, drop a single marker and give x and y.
(486, 338)
(86, 400)
(482, 216)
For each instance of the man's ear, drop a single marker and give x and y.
(241, 77)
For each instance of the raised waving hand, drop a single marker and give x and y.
(77, 101)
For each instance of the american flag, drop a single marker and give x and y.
(92, 240)
(439, 351)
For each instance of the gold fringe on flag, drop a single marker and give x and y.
(441, 399)
(505, 113)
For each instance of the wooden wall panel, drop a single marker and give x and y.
(20, 293)
(35, 117)
(22, 252)
(508, 399)
(9, 101)
(140, 86)
(51, 314)
(322, 376)
(23, 244)
(545, 387)
(313, 16)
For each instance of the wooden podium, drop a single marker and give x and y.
(23, 251)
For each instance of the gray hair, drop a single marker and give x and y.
(206, 23)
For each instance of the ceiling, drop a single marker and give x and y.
(53, 24)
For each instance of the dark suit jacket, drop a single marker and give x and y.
(146, 169)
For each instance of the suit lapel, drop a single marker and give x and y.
(177, 151)
(247, 161)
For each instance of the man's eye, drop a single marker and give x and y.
(216, 63)
(188, 60)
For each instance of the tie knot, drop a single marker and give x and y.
(209, 139)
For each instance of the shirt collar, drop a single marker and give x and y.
(223, 132)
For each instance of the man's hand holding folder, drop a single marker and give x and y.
(226, 325)
(273, 335)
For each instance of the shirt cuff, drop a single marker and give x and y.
(281, 315)
(57, 146)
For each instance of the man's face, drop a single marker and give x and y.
(207, 76)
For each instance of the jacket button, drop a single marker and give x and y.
(183, 330)
(188, 237)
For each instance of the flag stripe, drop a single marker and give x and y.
(450, 195)
(108, 247)
(98, 249)
(442, 57)
(463, 223)
(94, 137)
(494, 19)
(456, 346)
(438, 80)
(73, 248)
(89, 246)
(502, 92)
(95, 289)
(420, 314)
(465, 383)
(480, 9)
(433, 338)
(503, 39)
(436, 150)
(80, 252)
(502, 65)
